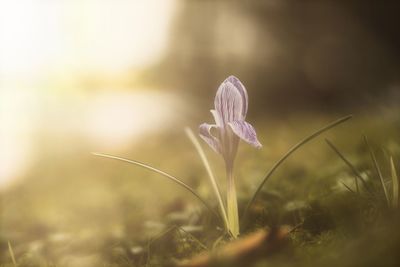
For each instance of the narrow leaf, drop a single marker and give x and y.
(155, 239)
(10, 250)
(213, 181)
(201, 244)
(349, 164)
(395, 184)
(347, 187)
(170, 177)
(357, 186)
(290, 152)
(378, 170)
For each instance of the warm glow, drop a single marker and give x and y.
(88, 35)
(117, 119)
(46, 46)
(17, 120)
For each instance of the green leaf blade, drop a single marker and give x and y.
(169, 176)
(395, 184)
(213, 181)
(378, 171)
(11, 251)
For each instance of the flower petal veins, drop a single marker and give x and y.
(246, 132)
(231, 104)
(228, 103)
(242, 90)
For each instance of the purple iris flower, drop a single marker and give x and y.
(231, 103)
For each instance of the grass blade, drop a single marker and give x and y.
(378, 170)
(213, 181)
(170, 177)
(395, 184)
(357, 186)
(348, 188)
(164, 233)
(351, 166)
(154, 239)
(195, 239)
(10, 250)
(290, 152)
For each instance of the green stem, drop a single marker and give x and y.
(233, 214)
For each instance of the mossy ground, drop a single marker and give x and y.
(74, 209)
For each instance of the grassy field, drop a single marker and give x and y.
(75, 209)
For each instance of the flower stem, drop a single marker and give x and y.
(233, 215)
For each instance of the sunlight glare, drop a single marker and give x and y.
(46, 47)
(108, 36)
(117, 119)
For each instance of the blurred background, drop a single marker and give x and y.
(125, 76)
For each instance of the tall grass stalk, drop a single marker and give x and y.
(11, 251)
(395, 184)
(356, 173)
(378, 171)
(213, 181)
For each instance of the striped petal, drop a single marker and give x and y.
(245, 132)
(205, 134)
(228, 103)
(242, 90)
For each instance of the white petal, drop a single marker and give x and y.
(246, 132)
(217, 118)
(205, 134)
